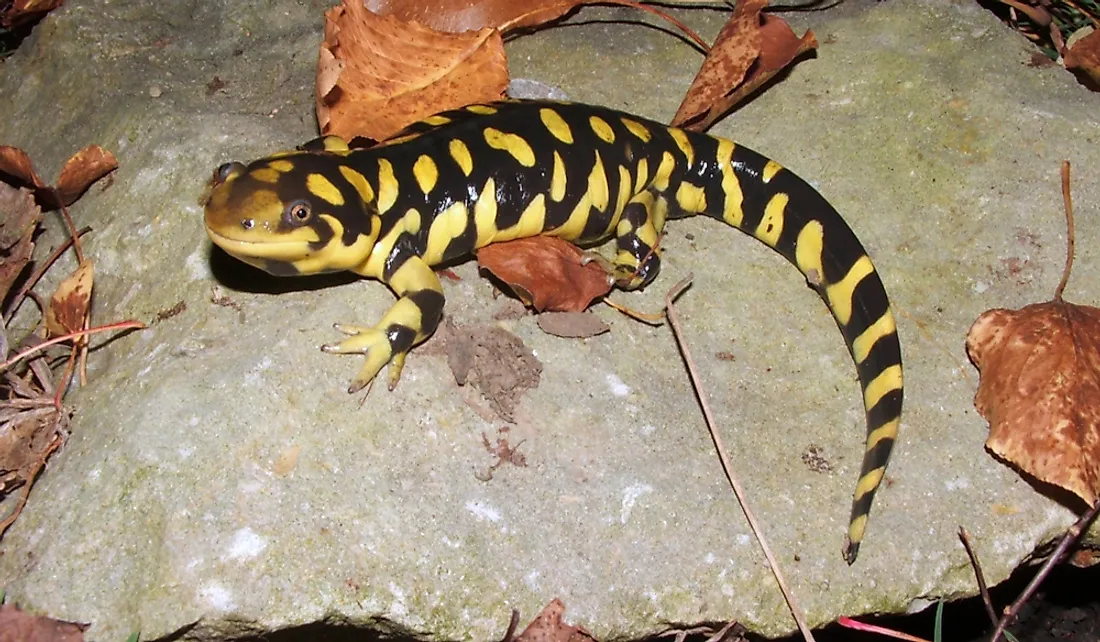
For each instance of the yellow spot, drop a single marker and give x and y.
(323, 189)
(861, 347)
(807, 252)
(411, 221)
(556, 125)
(887, 381)
(664, 171)
(359, 182)
(595, 196)
(426, 173)
(597, 185)
(869, 482)
(857, 528)
(461, 154)
(265, 175)
(448, 225)
(334, 144)
(840, 294)
(732, 211)
(771, 168)
(691, 198)
(683, 143)
(601, 129)
(624, 190)
(282, 166)
(511, 143)
(436, 120)
(483, 110)
(485, 214)
(530, 222)
(771, 224)
(888, 430)
(557, 180)
(641, 175)
(387, 186)
(638, 129)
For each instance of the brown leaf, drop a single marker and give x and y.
(18, 626)
(549, 627)
(1040, 391)
(69, 303)
(81, 170)
(751, 48)
(24, 11)
(377, 74)
(572, 325)
(546, 273)
(21, 216)
(1083, 55)
(470, 15)
(494, 361)
(16, 163)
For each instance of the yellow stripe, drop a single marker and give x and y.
(597, 185)
(530, 222)
(840, 294)
(483, 110)
(888, 430)
(861, 347)
(556, 125)
(887, 381)
(511, 143)
(771, 224)
(447, 226)
(461, 155)
(691, 198)
(602, 129)
(558, 179)
(683, 143)
(641, 175)
(771, 168)
(359, 182)
(664, 171)
(624, 190)
(323, 189)
(638, 129)
(426, 173)
(387, 186)
(485, 213)
(732, 211)
(869, 482)
(437, 120)
(807, 252)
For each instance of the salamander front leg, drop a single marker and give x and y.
(411, 320)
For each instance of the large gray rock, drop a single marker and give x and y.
(220, 481)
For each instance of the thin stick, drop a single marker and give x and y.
(982, 588)
(510, 634)
(121, 325)
(17, 300)
(1069, 230)
(704, 404)
(856, 625)
(1072, 535)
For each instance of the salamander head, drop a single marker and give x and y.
(293, 213)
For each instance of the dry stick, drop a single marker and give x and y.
(704, 404)
(510, 634)
(1068, 200)
(982, 588)
(1072, 535)
(121, 325)
(16, 300)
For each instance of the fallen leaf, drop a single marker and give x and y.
(1083, 55)
(1040, 391)
(377, 74)
(19, 626)
(70, 302)
(21, 216)
(546, 273)
(81, 170)
(572, 325)
(470, 15)
(750, 49)
(24, 11)
(549, 626)
(16, 163)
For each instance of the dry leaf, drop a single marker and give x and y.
(1040, 391)
(470, 15)
(1083, 55)
(70, 302)
(549, 627)
(377, 74)
(24, 11)
(81, 170)
(21, 216)
(18, 626)
(751, 48)
(16, 163)
(572, 325)
(546, 273)
(494, 361)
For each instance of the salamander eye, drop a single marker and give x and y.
(225, 170)
(297, 213)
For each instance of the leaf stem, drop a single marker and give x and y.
(1068, 200)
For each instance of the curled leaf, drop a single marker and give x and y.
(70, 303)
(572, 325)
(1083, 55)
(471, 15)
(546, 273)
(17, 164)
(81, 170)
(21, 217)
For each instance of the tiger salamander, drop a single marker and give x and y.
(463, 179)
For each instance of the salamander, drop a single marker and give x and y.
(462, 179)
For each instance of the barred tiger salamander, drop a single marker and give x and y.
(463, 179)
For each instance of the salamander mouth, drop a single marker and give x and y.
(286, 250)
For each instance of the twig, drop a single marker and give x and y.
(978, 575)
(1072, 535)
(1069, 230)
(723, 456)
(856, 625)
(510, 634)
(17, 300)
(121, 325)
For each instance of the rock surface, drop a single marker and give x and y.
(219, 481)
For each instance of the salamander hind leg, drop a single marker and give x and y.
(411, 320)
(638, 260)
